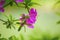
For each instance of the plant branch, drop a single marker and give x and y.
(2, 20)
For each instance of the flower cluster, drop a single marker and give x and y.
(25, 19)
(29, 19)
(2, 2)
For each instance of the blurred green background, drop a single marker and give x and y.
(46, 27)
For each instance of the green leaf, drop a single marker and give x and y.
(55, 38)
(33, 3)
(19, 28)
(4, 23)
(27, 1)
(58, 2)
(13, 38)
(8, 25)
(58, 22)
(28, 8)
(54, 6)
(16, 4)
(17, 22)
(7, 2)
(11, 3)
(0, 35)
(13, 26)
(2, 20)
(3, 39)
(9, 22)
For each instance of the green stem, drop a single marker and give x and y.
(27, 9)
(16, 4)
(19, 28)
(22, 24)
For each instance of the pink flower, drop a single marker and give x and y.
(1, 9)
(33, 13)
(1, 5)
(29, 19)
(19, 1)
(22, 17)
(32, 18)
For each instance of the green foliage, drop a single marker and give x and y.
(58, 2)
(33, 3)
(13, 38)
(58, 13)
(7, 2)
(44, 37)
(10, 22)
(34, 38)
(27, 1)
(3, 39)
(0, 35)
(55, 38)
(11, 3)
(58, 22)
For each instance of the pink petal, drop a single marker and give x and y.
(30, 26)
(30, 20)
(2, 3)
(32, 12)
(1, 9)
(19, 1)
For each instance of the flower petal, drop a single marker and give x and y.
(19, 1)
(30, 26)
(1, 10)
(33, 12)
(2, 3)
(22, 17)
(30, 20)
